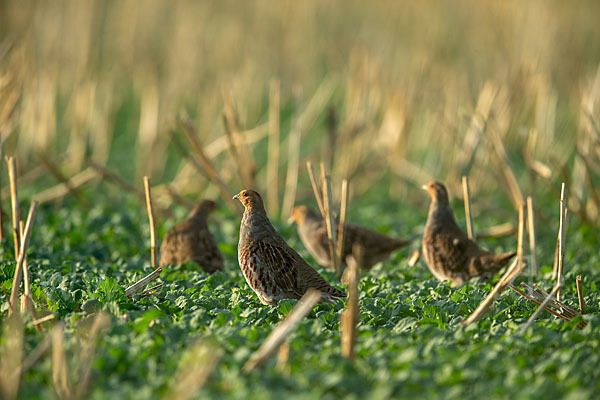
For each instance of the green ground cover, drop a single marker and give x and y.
(410, 341)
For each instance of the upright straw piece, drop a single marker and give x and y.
(342, 223)
(467, 199)
(151, 220)
(14, 197)
(521, 236)
(531, 230)
(14, 295)
(331, 234)
(561, 244)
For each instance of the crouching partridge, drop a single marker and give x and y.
(190, 240)
(450, 255)
(313, 233)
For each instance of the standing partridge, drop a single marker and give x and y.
(190, 240)
(272, 268)
(313, 232)
(449, 253)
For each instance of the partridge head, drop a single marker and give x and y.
(272, 268)
(450, 255)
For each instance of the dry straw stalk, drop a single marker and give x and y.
(57, 173)
(521, 236)
(316, 188)
(537, 295)
(196, 365)
(548, 308)
(539, 309)
(14, 197)
(580, 294)
(413, 258)
(559, 234)
(61, 190)
(511, 273)
(342, 222)
(60, 377)
(331, 234)
(11, 353)
(26, 300)
(505, 229)
(562, 232)
(1, 207)
(116, 179)
(14, 295)
(531, 230)
(283, 356)
(554, 302)
(467, 200)
(350, 317)
(283, 330)
(150, 220)
(142, 283)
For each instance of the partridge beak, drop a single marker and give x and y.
(290, 221)
(236, 197)
(424, 187)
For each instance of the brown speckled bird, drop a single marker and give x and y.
(449, 253)
(313, 232)
(272, 268)
(190, 240)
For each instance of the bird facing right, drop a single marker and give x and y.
(313, 232)
(450, 255)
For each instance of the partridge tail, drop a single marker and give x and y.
(396, 244)
(493, 263)
(504, 258)
(331, 295)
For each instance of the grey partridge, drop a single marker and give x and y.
(449, 253)
(190, 240)
(272, 268)
(313, 233)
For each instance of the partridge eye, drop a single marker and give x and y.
(245, 194)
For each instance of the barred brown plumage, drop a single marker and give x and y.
(313, 233)
(191, 240)
(450, 255)
(272, 268)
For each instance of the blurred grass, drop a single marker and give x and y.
(106, 80)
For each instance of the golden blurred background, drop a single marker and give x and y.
(387, 93)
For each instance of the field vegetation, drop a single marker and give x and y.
(208, 98)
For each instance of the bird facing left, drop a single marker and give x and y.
(273, 269)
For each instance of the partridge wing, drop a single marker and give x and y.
(280, 265)
(168, 250)
(377, 244)
(205, 250)
(172, 244)
(291, 273)
(453, 250)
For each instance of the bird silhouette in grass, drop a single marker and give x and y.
(191, 240)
